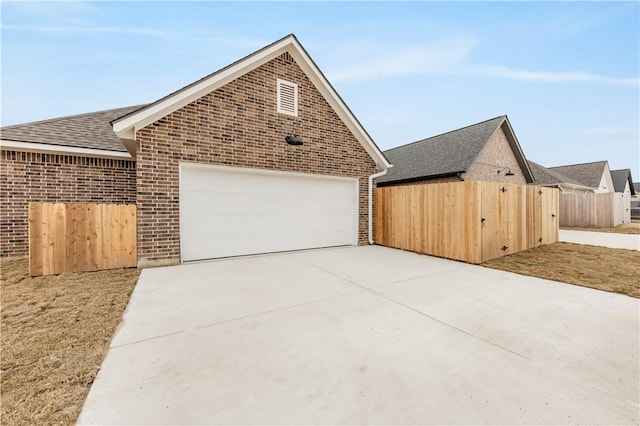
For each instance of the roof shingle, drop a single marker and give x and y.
(545, 176)
(445, 154)
(620, 179)
(587, 174)
(92, 130)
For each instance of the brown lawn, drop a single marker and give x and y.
(631, 228)
(55, 333)
(56, 329)
(608, 269)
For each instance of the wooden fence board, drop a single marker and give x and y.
(81, 237)
(446, 219)
(588, 209)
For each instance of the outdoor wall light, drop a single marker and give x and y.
(293, 140)
(509, 172)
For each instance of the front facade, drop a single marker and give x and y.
(238, 126)
(261, 156)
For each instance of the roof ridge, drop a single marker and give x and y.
(445, 133)
(578, 164)
(48, 120)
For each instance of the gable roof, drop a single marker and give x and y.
(636, 187)
(587, 174)
(127, 125)
(620, 179)
(547, 177)
(449, 153)
(90, 131)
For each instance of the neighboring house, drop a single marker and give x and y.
(546, 177)
(622, 181)
(636, 188)
(260, 156)
(596, 175)
(486, 151)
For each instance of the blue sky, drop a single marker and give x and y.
(566, 74)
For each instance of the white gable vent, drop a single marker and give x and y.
(287, 97)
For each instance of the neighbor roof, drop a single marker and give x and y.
(544, 176)
(126, 126)
(449, 153)
(620, 179)
(88, 131)
(587, 174)
(636, 187)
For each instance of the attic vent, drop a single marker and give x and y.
(287, 97)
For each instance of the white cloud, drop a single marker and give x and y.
(80, 29)
(420, 59)
(450, 57)
(549, 77)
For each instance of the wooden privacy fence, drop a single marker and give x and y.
(468, 221)
(81, 237)
(594, 210)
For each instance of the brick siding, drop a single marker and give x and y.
(237, 125)
(34, 177)
(496, 155)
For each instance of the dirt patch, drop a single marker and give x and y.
(631, 228)
(55, 333)
(615, 270)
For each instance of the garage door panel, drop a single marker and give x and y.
(227, 211)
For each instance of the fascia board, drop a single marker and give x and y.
(63, 150)
(323, 86)
(130, 125)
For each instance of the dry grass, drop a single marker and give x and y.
(55, 333)
(608, 269)
(632, 228)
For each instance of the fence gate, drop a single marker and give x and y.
(503, 215)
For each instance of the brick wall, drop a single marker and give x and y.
(237, 125)
(33, 177)
(496, 155)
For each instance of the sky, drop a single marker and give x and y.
(567, 74)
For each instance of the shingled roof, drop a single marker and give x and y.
(620, 179)
(587, 174)
(92, 130)
(446, 154)
(544, 176)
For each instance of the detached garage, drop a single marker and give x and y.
(231, 211)
(262, 156)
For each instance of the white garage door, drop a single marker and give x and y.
(231, 211)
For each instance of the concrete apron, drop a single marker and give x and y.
(366, 335)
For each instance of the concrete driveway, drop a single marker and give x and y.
(365, 335)
(604, 239)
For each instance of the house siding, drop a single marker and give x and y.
(237, 125)
(35, 177)
(496, 155)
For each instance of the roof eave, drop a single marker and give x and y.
(517, 149)
(127, 126)
(22, 146)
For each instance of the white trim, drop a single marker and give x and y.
(370, 206)
(126, 127)
(60, 149)
(258, 171)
